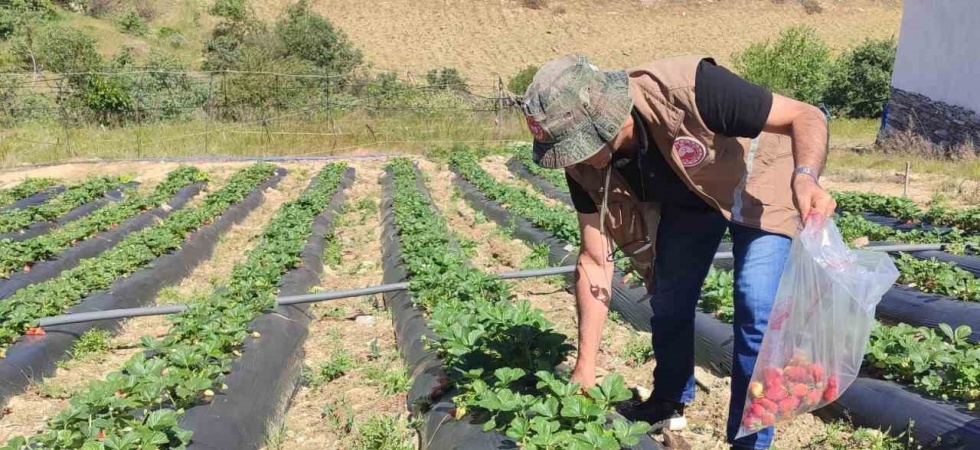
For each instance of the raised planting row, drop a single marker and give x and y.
(907, 212)
(255, 390)
(494, 359)
(21, 255)
(73, 197)
(26, 188)
(141, 405)
(20, 311)
(854, 226)
(37, 355)
(938, 277)
(935, 420)
(522, 155)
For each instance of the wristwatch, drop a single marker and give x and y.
(807, 171)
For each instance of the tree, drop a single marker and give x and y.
(309, 36)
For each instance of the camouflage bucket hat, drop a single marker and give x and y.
(573, 108)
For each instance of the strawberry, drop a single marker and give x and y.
(813, 397)
(817, 372)
(767, 404)
(756, 409)
(799, 358)
(459, 412)
(100, 436)
(751, 422)
(435, 393)
(788, 405)
(755, 388)
(800, 390)
(771, 374)
(776, 393)
(768, 419)
(830, 394)
(797, 374)
(832, 382)
(35, 331)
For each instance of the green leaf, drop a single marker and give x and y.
(546, 408)
(161, 419)
(963, 332)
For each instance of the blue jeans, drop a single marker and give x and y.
(687, 239)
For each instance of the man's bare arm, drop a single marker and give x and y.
(807, 127)
(593, 287)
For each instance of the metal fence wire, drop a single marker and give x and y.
(260, 103)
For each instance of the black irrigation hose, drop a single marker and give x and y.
(32, 358)
(94, 246)
(262, 380)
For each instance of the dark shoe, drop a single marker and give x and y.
(660, 414)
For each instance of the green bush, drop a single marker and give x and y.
(309, 36)
(797, 64)
(521, 80)
(446, 78)
(861, 80)
(15, 14)
(130, 22)
(58, 48)
(230, 10)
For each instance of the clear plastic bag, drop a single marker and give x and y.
(818, 328)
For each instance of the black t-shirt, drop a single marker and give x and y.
(728, 105)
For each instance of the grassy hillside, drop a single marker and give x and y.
(483, 38)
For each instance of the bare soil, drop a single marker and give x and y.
(31, 410)
(317, 415)
(486, 38)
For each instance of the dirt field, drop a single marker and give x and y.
(483, 38)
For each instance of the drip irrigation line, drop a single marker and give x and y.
(93, 316)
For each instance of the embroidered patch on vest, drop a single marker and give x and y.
(690, 151)
(537, 131)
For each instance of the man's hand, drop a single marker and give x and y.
(584, 375)
(811, 198)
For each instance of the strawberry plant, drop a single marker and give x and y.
(717, 294)
(499, 354)
(560, 222)
(853, 226)
(942, 363)
(523, 153)
(20, 311)
(966, 220)
(71, 198)
(26, 188)
(939, 277)
(140, 406)
(16, 255)
(897, 207)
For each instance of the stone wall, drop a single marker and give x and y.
(945, 125)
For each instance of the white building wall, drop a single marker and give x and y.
(939, 51)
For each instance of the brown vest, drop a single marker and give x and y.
(747, 180)
(630, 223)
